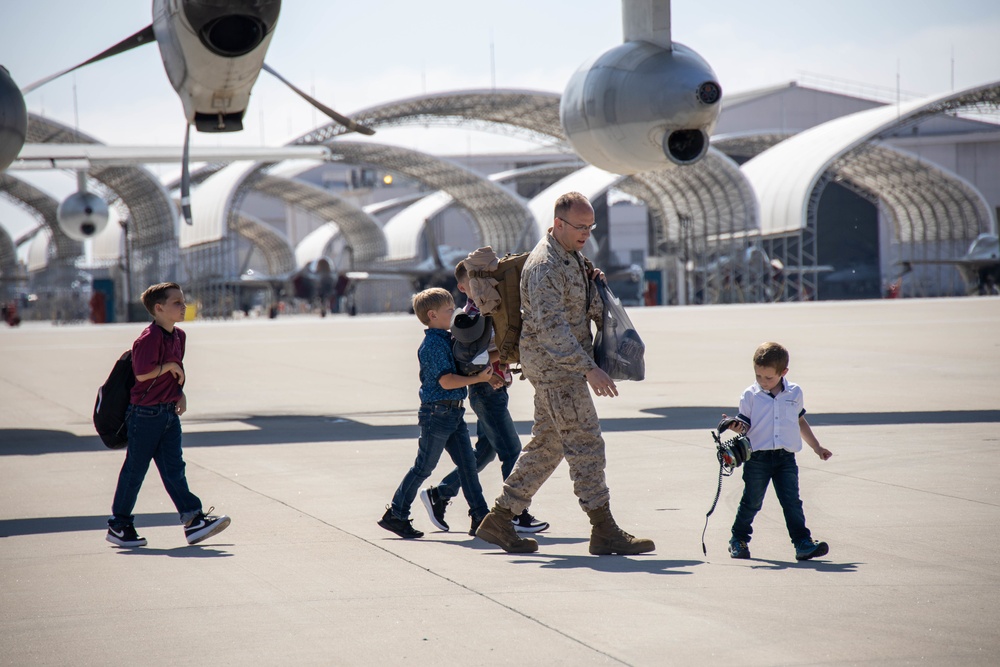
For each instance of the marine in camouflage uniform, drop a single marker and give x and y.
(558, 302)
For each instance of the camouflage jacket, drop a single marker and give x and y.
(558, 301)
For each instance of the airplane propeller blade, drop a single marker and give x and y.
(340, 118)
(144, 36)
(186, 176)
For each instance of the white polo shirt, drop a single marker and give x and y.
(774, 420)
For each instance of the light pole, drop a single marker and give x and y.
(127, 288)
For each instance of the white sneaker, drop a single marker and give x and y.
(525, 523)
(204, 526)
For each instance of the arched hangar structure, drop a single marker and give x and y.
(405, 229)
(530, 115)
(701, 205)
(698, 205)
(358, 229)
(527, 114)
(711, 262)
(499, 215)
(42, 207)
(139, 197)
(934, 214)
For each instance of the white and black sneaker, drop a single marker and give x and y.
(204, 526)
(125, 536)
(435, 506)
(525, 523)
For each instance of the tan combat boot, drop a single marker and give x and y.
(607, 538)
(497, 528)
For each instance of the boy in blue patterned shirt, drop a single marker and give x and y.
(441, 416)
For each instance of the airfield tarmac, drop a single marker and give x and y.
(301, 428)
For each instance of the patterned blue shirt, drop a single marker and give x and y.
(436, 359)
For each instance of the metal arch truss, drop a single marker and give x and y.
(273, 246)
(360, 230)
(748, 145)
(43, 207)
(148, 208)
(500, 215)
(141, 201)
(705, 219)
(531, 115)
(934, 214)
(927, 202)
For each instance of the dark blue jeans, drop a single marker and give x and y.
(777, 466)
(495, 435)
(442, 429)
(154, 434)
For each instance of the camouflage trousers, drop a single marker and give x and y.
(566, 425)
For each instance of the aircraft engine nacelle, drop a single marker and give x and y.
(640, 106)
(213, 51)
(13, 119)
(82, 215)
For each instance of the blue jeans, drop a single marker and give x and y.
(442, 428)
(495, 435)
(778, 466)
(154, 434)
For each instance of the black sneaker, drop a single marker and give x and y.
(402, 527)
(204, 526)
(125, 537)
(738, 549)
(806, 549)
(475, 525)
(525, 523)
(435, 505)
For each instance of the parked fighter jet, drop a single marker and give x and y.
(316, 283)
(213, 51)
(438, 270)
(321, 285)
(979, 267)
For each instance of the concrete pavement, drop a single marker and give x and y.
(301, 428)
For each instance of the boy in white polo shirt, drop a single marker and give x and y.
(772, 417)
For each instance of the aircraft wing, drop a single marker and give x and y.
(908, 264)
(393, 274)
(86, 156)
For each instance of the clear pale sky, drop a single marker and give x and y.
(354, 55)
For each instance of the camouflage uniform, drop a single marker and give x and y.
(558, 301)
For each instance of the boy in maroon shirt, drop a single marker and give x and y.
(154, 427)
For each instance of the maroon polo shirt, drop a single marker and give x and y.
(154, 347)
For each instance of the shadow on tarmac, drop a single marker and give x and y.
(186, 551)
(286, 429)
(72, 524)
(613, 564)
(818, 565)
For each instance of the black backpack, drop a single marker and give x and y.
(112, 403)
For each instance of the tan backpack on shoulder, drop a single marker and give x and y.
(497, 284)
